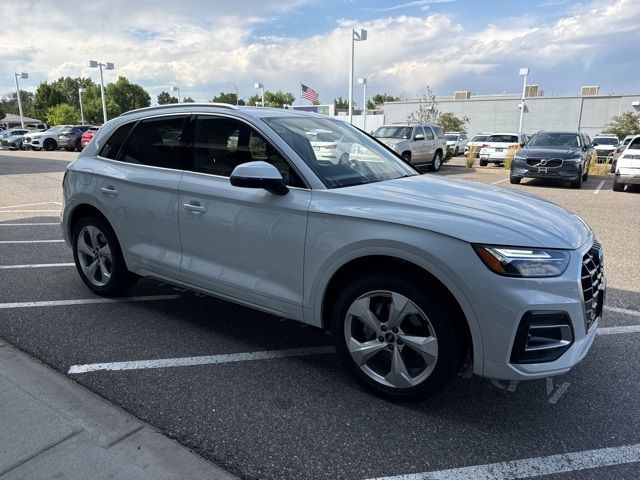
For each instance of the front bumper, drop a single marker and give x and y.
(567, 171)
(628, 176)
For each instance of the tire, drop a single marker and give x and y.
(483, 163)
(578, 182)
(78, 146)
(456, 152)
(110, 277)
(437, 162)
(585, 176)
(406, 156)
(50, 144)
(514, 180)
(426, 316)
(617, 186)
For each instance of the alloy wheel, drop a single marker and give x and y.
(94, 255)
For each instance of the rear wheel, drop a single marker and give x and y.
(396, 338)
(456, 152)
(483, 163)
(437, 162)
(617, 186)
(98, 258)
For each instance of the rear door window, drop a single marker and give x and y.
(158, 142)
(428, 133)
(115, 141)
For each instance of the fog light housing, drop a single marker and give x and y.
(542, 336)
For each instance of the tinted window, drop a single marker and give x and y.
(157, 142)
(112, 147)
(503, 138)
(393, 132)
(221, 144)
(557, 140)
(606, 141)
(428, 134)
(439, 131)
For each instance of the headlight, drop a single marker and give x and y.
(518, 157)
(523, 262)
(575, 159)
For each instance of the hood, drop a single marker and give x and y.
(547, 152)
(391, 142)
(470, 211)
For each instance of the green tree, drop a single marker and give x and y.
(190, 100)
(379, 99)
(427, 109)
(228, 97)
(63, 90)
(341, 104)
(165, 98)
(273, 99)
(62, 114)
(127, 96)
(9, 103)
(625, 124)
(451, 123)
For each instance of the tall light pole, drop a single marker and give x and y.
(523, 72)
(260, 86)
(80, 92)
(175, 88)
(106, 66)
(234, 86)
(355, 37)
(20, 75)
(363, 82)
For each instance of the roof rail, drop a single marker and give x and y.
(169, 105)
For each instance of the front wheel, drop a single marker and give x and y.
(396, 338)
(437, 162)
(98, 258)
(50, 145)
(514, 180)
(577, 183)
(406, 156)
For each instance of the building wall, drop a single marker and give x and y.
(501, 113)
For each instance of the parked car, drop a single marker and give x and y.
(559, 155)
(623, 145)
(410, 272)
(70, 138)
(416, 144)
(494, 149)
(605, 147)
(476, 141)
(456, 141)
(628, 166)
(87, 136)
(47, 140)
(329, 146)
(12, 138)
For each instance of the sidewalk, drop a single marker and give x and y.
(51, 427)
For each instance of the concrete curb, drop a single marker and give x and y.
(88, 437)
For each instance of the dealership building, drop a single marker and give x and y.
(589, 112)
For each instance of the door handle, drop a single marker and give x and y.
(195, 207)
(109, 190)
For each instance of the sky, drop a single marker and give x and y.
(448, 45)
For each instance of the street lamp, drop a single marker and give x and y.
(523, 73)
(234, 86)
(106, 66)
(355, 37)
(260, 86)
(20, 75)
(80, 92)
(176, 89)
(363, 82)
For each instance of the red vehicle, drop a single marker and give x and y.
(88, 135)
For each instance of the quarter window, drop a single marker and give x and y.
(115, 141)
(158, 142)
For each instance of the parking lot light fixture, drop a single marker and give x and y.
(524, 72)
(80, 92)
(363, 82)
(260, 86)
(20, 75)
(106, 66)
(175, 88)
(355, 37)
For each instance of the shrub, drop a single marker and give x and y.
(511, 152)
(471, 155)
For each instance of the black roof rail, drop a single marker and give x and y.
(170, 105)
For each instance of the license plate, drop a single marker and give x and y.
(498, 149)
(542, 170)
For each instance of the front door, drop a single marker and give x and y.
(242, 243)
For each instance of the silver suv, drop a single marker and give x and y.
(416, 144)
(410, 272)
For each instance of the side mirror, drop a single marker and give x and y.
(259, 175)
(522, 144)
(419, 136)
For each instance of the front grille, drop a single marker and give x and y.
(603, 153)
(593, 284)
(544, 162)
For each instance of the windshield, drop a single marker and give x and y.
(452, 138)
(503, 138)
(353, 160)
(606, 141)
(479, 138)
(555, 140)
(393, 132)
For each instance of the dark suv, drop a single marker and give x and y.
(561, 155)
(70, 137)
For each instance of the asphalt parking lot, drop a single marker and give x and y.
(266, 398)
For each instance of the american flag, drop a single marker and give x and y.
(309, 93)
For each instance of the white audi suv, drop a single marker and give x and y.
(411, 273)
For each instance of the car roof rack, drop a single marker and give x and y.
(173, 105)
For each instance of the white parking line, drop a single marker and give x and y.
(499, 181)
(11, 242)
(202, 360)
(28, 224)
(633, 313)
(86, 301)
(597, 190)
(617, 330)
(534, 467)
(29, 211)
(36, 265)
(30, 205)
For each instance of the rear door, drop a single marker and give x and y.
(138, 189)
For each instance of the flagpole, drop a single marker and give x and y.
(300, 99)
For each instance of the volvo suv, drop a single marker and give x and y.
(411, 273)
